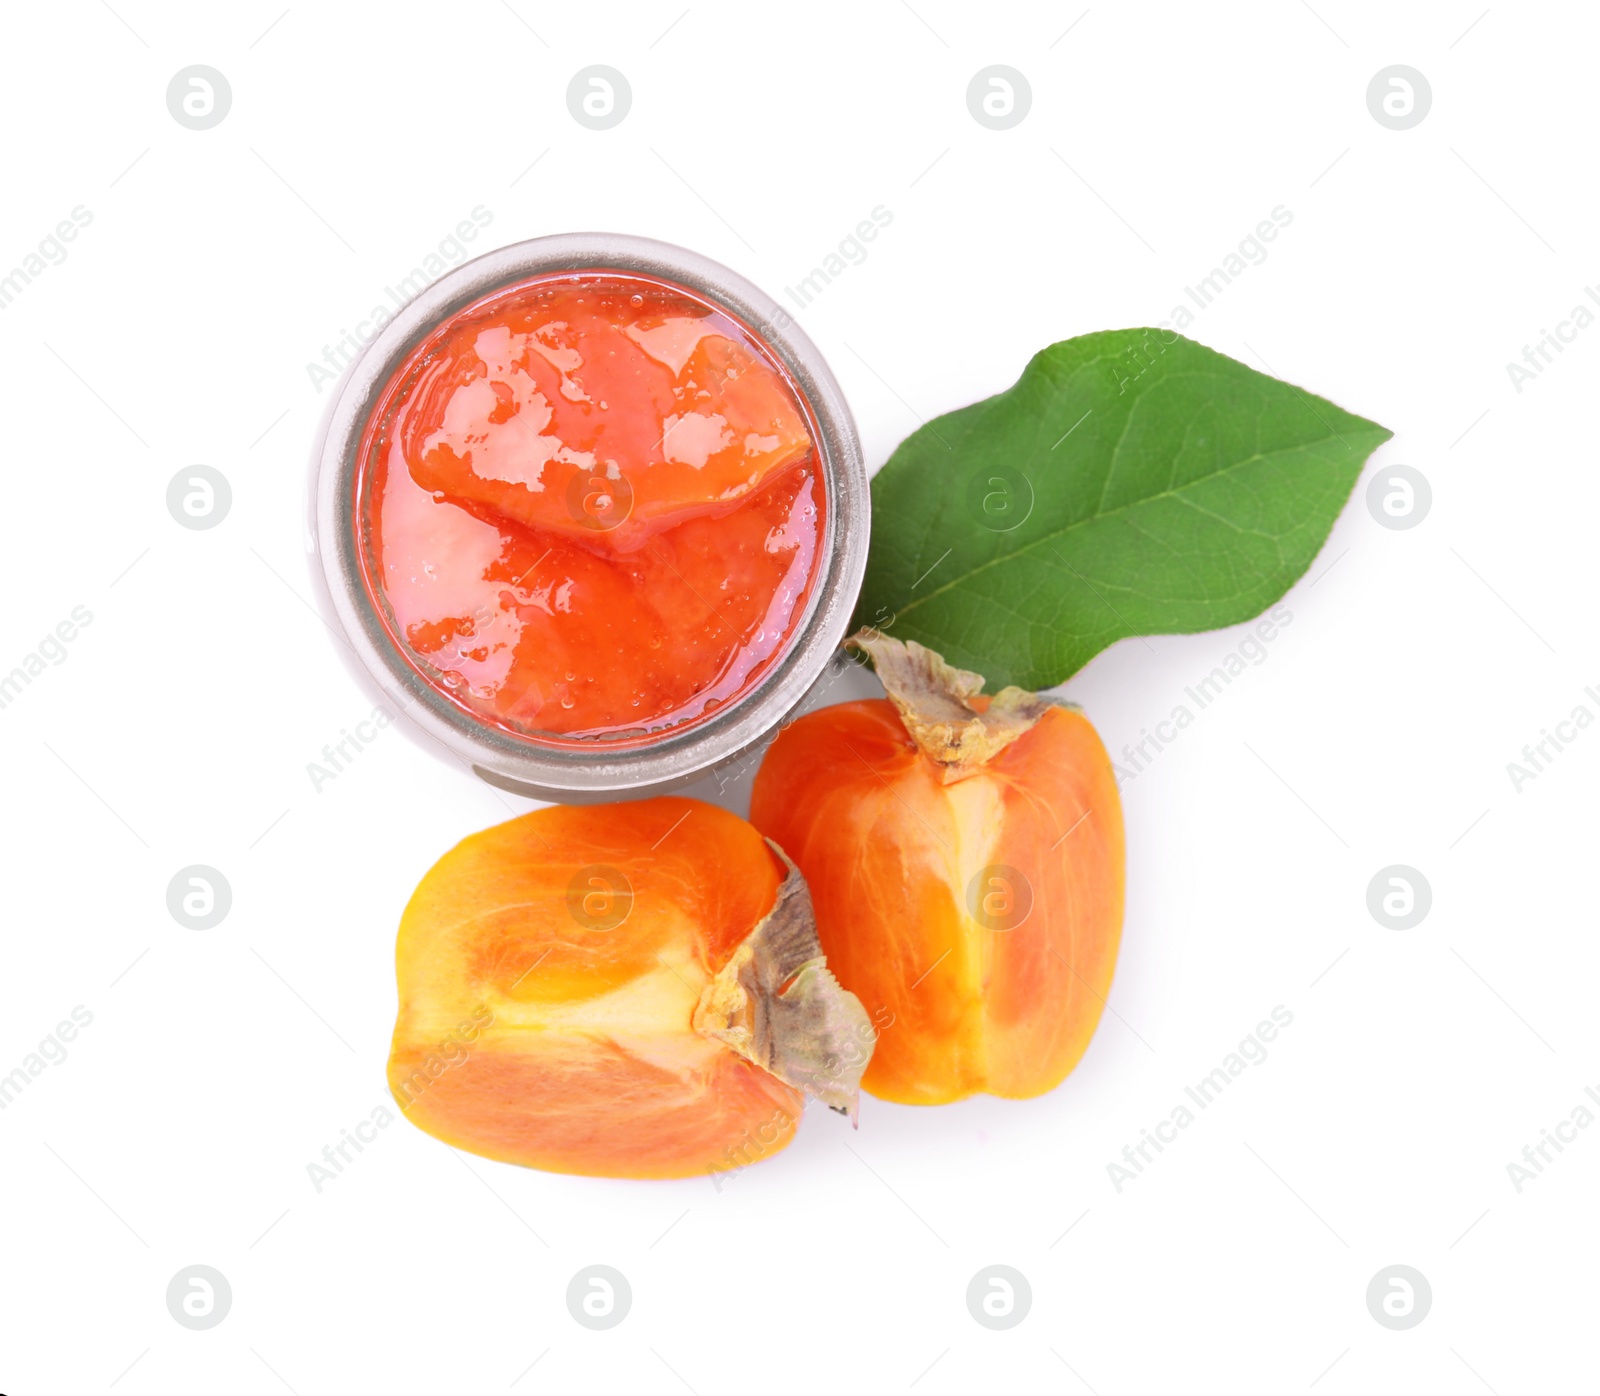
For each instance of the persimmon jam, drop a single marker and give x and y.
(589, 505)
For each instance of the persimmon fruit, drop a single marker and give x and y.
(631, 990)
(965, 858)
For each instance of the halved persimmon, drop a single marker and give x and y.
(631, 990)
(965, 856)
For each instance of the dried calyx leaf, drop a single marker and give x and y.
(777, 1004)
(935, 701)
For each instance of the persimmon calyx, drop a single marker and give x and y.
(935, 702)
(777, 1004)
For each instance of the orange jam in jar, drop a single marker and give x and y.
(589, 505)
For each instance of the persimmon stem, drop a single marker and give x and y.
(940, 704)
(777, 1004)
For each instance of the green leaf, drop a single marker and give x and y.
(1133, 482)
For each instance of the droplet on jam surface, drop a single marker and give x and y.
(558, 481)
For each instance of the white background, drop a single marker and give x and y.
(179, 727)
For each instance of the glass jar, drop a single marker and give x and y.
(623, 763)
